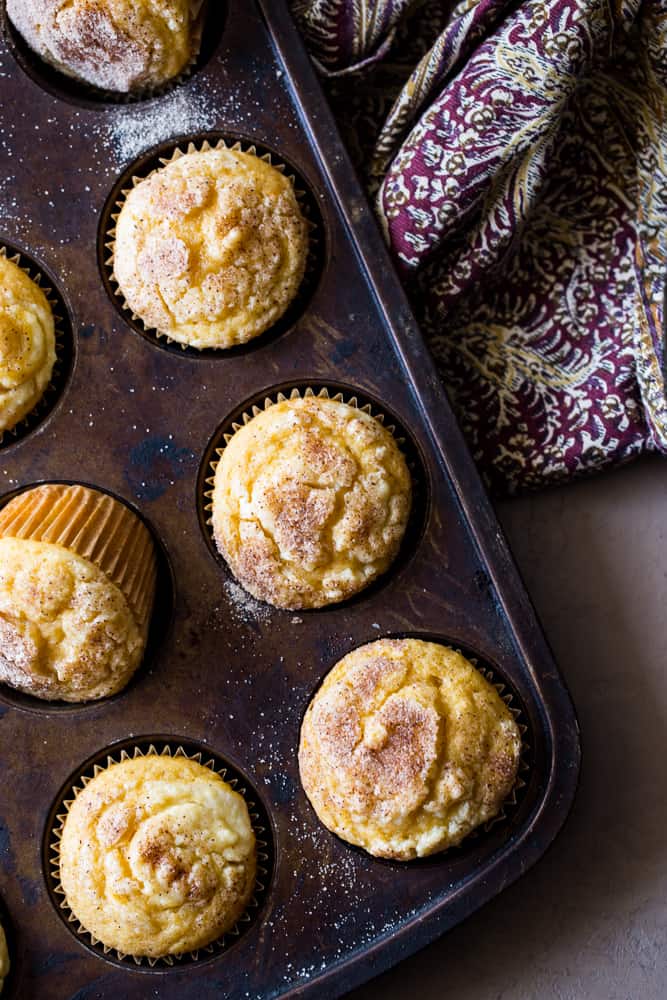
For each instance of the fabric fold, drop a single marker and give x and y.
(517, 154)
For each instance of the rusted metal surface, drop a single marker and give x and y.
(227, 673)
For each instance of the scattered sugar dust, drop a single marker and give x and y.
(138, 127)
(245, 609)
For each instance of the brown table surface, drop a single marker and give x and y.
(590, 921)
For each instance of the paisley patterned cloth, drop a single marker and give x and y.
(516, 152)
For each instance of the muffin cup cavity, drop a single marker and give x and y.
(131, 749)
(500, 825)
(156, 621)
(65, 350)
(146, 165)
(210, 18)
(341, 394)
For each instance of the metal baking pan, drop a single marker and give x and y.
(138, 418)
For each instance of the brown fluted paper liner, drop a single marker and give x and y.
(204, 146)
(263, 841)
(96, 527)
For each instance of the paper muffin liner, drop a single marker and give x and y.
(95, 526)
(63, 347)
(159, 747)
(309, 211)
(57, 77)
(227, 430)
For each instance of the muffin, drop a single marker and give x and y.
(117, 45)
(77, 581)
(310, 502)
(406, 748)
(210, 249)
(27, 344)
(4, 958)
(157, 856)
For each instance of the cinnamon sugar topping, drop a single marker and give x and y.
(406, 748)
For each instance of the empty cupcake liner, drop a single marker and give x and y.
(306, 203)
(64, 349)
(227, 431)
(56, 77)
(131, 750)
(96, 527)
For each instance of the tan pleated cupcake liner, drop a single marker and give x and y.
(96, 527)
(263, 860)
(53, 389)
(280, 397)
(202, 147)
(200, 10)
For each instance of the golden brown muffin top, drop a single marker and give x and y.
(310, 502)
(158, 856)
(66, 631)
(27, 344)
(118, 45)
(406, 748)
(211, 249)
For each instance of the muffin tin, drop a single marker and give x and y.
(232, 676)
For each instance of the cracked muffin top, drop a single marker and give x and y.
(27, 344)
(77, 582)
(158, 856)
(211, 249)
(310, 503)
(66, 631)
(117, 45)
(406, 748)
